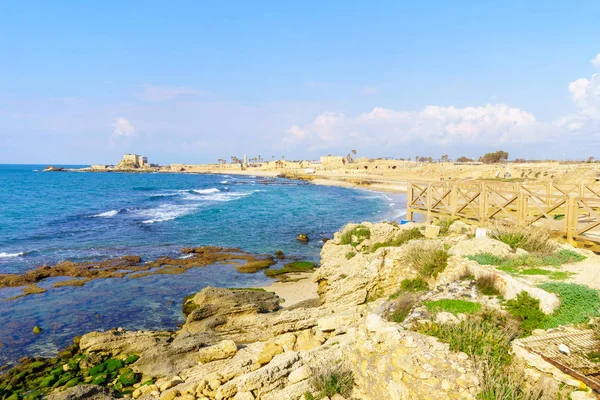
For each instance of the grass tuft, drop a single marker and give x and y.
(453, 306)
(330, 383)
(527, 310)
(487, 285)
(532, 239)
(401, 306)
(360, 232)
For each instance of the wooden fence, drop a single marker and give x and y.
(572, 210)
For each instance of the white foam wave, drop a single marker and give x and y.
(107, 214)
(206, 191)
(165, 212)
(10, 255)
(224, 182)
(220, 197)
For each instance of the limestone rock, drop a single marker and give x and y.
(243, 396)
(431, 231)
(471, 247)
(444, 317)
(300, 374)
(269, 351)
(286, 341)
(336, 321)
(219, 351)
(88, 392)
(307, 341)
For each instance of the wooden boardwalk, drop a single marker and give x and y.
(572, 210)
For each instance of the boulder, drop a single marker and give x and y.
(300, 374)
(219, 351)
(307, 341)
(431, 231)
(269, 351)
(302, 237)
(87, 392)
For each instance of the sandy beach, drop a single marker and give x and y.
(301, 288)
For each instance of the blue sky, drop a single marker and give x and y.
(85, 82)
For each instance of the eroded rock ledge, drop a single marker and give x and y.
(241, 344)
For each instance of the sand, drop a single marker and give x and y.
(294, 292)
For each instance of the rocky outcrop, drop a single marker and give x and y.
(240, 344)
(393, 363)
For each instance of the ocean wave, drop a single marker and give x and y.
(224, 182)
(107, 214)
(219, 197)
(165, 212)
(10, 255)
(206, 191)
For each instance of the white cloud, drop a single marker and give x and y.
(158, 93)
(596, 61)
(122, 128)
(489, 124)
(370, 90)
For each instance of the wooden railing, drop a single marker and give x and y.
(571, 210)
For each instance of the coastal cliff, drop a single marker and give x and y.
(391, 300)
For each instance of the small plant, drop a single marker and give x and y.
(436, 264)
(309, 396)
(400, 308)
(360, 233)
(486, 259)
(485, 334)
(335, 382)
(453, 306)
(414, 285)
(532, 239)
(444, 225)
(403, 237)
(527, 310)
(487, 285)
(350, 254)
(427, 257)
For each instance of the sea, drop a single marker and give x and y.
(48, 217)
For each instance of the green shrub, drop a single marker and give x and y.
(527, 310)
(532, 239)
(444, 225)
(487, 285)
(414, 285)
(453, 306)
(435, 264)
(361, 233)
(403, 237)
(309, 396)
(485, 334)
(335, 382)
(401, 307)
(428, 257)
(350, 254)
(577, 304)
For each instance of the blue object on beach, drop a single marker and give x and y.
(405, 221)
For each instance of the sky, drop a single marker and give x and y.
(195, 81)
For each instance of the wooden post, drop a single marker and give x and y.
(453, 200)
(483, 204)
(409, 201)
(429, 202)
(521, 207)
(571, 219)
(549, 190)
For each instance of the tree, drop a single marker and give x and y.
(464, 159)
(445, 158)
(354, 152)
(591, 159)
(494, 158)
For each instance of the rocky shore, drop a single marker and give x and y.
(393, 312)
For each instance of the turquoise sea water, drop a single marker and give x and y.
(49, 217)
